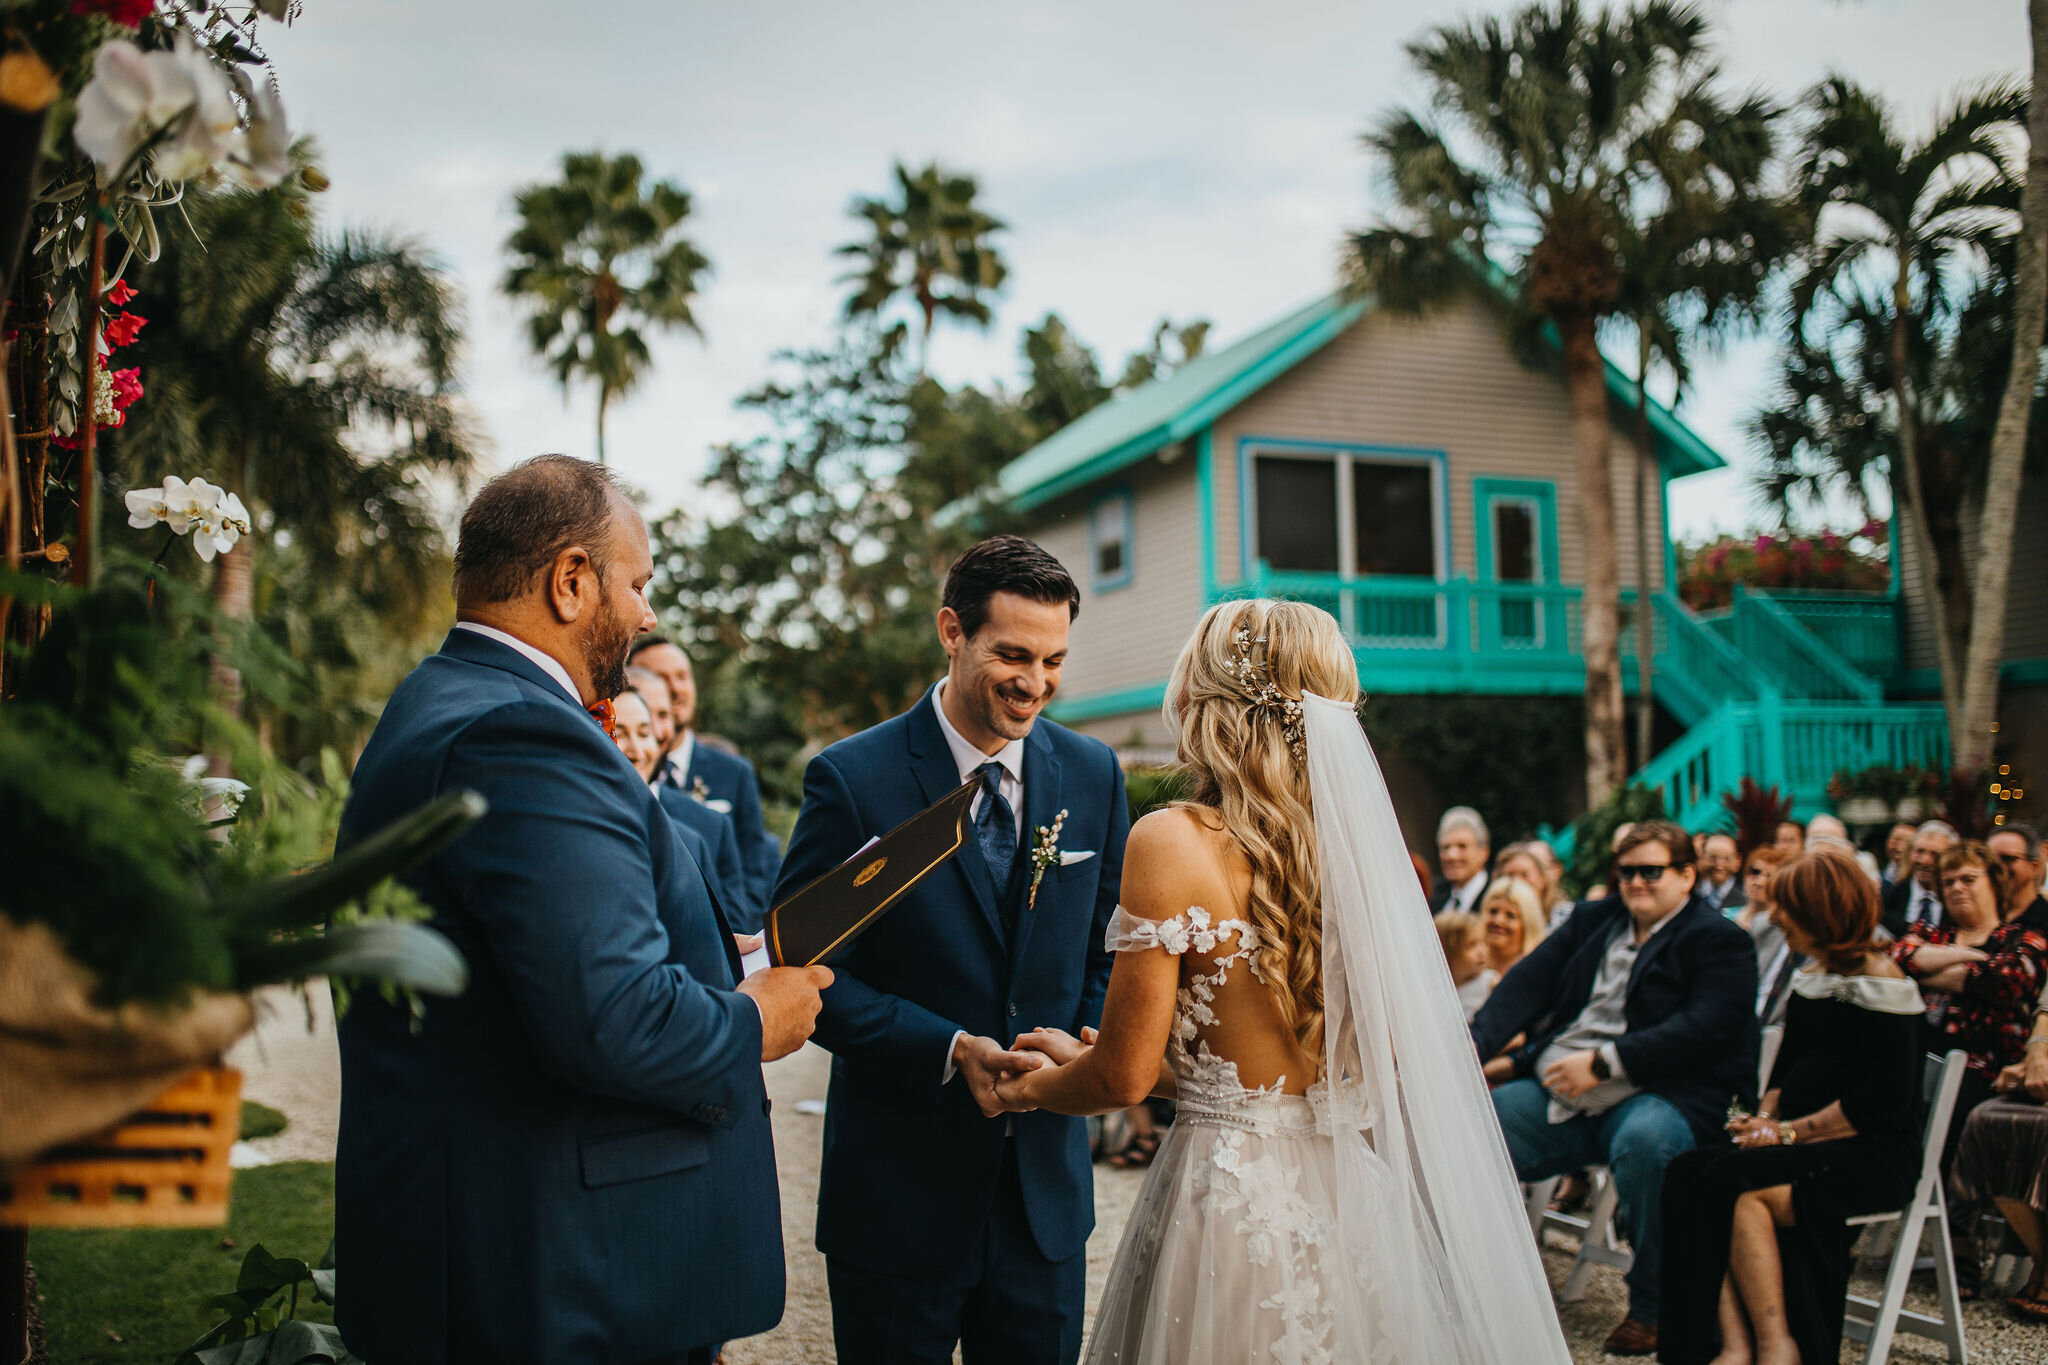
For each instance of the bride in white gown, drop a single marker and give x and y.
(1334, 1186)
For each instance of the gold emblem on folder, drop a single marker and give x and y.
(870, 872)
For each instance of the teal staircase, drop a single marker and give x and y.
(1785, 688)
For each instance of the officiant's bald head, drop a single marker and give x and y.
(552, 553)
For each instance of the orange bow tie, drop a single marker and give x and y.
(601, 712)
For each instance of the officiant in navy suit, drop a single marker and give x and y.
(943, 1220)
(572, 1160)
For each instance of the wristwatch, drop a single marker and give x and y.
(1601, 1071)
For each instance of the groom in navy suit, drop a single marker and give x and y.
(942, 1219)
(571, 1161)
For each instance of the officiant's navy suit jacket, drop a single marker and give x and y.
(910, 1163)
(571, 1160)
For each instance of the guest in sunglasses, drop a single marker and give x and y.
(1641, 1020)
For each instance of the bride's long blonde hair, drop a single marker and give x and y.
(1241, 751)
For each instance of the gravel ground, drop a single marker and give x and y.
(295, 1069)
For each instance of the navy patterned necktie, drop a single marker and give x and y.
(995, 826)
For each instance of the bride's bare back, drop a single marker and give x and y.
(1185, 872)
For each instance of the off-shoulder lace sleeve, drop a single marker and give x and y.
(1191, 928)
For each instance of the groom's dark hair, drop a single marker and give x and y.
(1005, 564)
(520, 521)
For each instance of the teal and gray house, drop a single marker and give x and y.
(1416, 479)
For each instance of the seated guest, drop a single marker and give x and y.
(1916, 899)
(2003, 1158)
(1512, 922)
(1983, 976)
(1828, 831)
(1776, 960)
(1790, 838)
(1525, 864)
(1898, 847)
(707, 834)
(2018, 846)
(1463, 848)
(1465, 949)
(1720, 873)
(724, 781)
(1641, 1019)
(1756, 1244)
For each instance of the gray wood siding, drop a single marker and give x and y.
(1129, 636)
(2026, 608)
(1448, 382)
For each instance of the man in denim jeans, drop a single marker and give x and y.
(1641, 1025)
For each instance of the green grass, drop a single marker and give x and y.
(261, 1121)
(112, 1297)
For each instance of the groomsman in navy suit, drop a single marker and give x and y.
(943, 1220)
(571, 1161)
(723, 781)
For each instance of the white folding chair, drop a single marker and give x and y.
(1875, 1322)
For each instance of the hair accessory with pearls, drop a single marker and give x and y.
(1253, 670)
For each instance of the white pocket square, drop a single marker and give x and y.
(719, 804)
(1069, 858)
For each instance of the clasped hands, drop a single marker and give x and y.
(995, 1074)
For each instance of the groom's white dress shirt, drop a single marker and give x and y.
(1923, 908)
(547, 663)
(968, 759)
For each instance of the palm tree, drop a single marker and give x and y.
(314, 376)
(933, 244)
(1925, 215)
(1540, 158)
(597, 259)
(1694, 269)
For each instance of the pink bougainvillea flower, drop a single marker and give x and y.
(126, 13)
(123, 329)
(121, 293)
(127, 386)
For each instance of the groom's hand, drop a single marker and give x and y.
(983, 1061)
(788, 999)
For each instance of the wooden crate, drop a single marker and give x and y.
(165, 1166)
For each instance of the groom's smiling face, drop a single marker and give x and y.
(1003, 675)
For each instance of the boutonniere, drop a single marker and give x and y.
(699, 792)
(1045, 853)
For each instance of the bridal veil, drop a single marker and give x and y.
(1421, 1169)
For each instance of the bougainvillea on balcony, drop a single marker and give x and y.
(1826, 561)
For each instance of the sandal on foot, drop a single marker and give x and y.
(1139, 1151)
(2028, 1310)
(1571, 1195)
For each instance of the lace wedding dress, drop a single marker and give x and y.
(1365, 1213)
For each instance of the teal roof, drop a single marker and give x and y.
(1128, 428)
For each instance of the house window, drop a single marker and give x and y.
(1110, 523)
(1514, 540)
(1301, 526)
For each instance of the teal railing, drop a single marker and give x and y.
(1861, 629)
(1797, 661)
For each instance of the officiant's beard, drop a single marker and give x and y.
(604, 650)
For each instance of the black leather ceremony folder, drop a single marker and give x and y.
(833, 910)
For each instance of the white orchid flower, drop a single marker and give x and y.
(136, 96)
(185, 503)
(147, 508)
(222, 525)
(264, 156)
(132, 96)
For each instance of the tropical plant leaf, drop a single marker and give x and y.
(407, 956)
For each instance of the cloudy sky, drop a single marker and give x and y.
(1185, 159)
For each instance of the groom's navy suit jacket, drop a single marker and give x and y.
(571, 1160)
(910, 1163)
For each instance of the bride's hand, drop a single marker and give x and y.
(1058, 1044)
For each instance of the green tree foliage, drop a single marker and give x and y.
(1561, 139)
(930, 245)
(1902, 231)
(598, 260)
